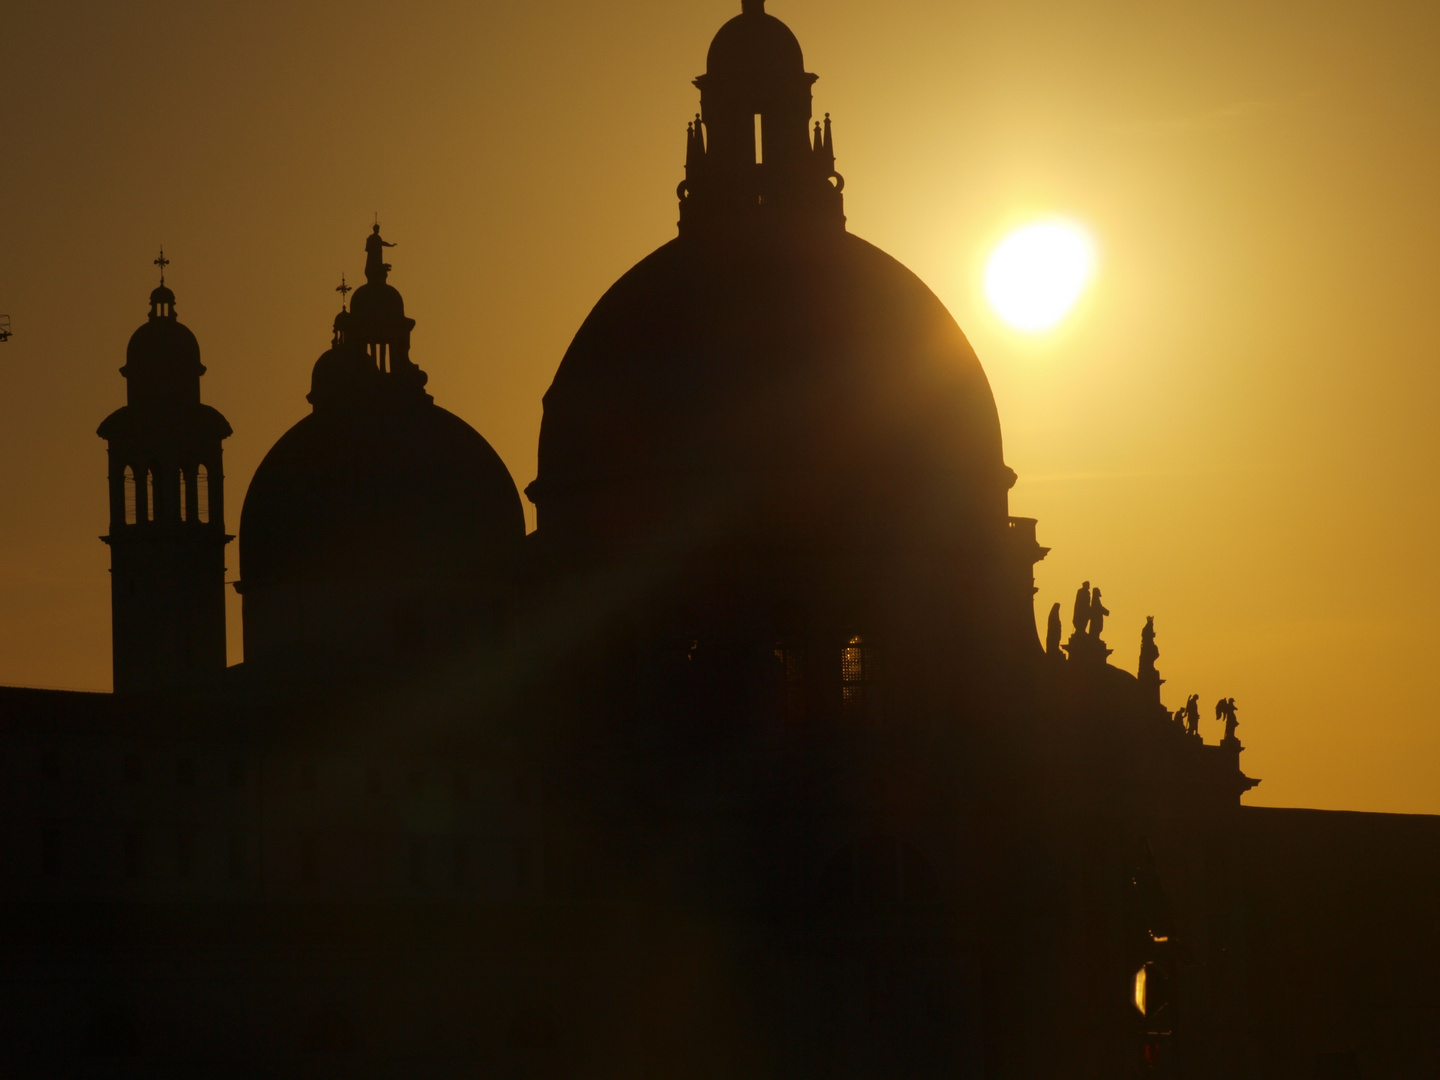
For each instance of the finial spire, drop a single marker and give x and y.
(344, 291)
(162, 262)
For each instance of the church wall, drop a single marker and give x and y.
(1344, 940)
(381, 618)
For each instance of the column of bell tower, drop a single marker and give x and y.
(167, 512)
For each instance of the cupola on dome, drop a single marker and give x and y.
(755, 44)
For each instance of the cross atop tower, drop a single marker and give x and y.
(344, 290)
(162, 262)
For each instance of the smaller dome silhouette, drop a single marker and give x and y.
(378, 488)
(162, 344)
(376, 303)
(755, 45)
(343, 372)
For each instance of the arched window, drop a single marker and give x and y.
(202, 493)
(184, 501)
(130, 496)
(858, 677)
(151, 494)
(789, 676)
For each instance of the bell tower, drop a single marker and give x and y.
(167, 511)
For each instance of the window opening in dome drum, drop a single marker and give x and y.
(50, 851)
(408, 618)
(858, 676)
(460, 861)
(183, 500)
(130, 496)
(147, 497)
(309, 858)
(133, 866)
(202, 494)
(184, 854)
(237, 857)
(759, 140)
(790, 676)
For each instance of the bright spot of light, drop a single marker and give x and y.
(1037, 273)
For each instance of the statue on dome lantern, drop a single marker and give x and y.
(376, 268)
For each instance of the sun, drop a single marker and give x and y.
(1037, 273)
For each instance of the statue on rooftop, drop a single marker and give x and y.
(1052, 633)
(1225, 710)
(1081, 616)
(1192, 715)
(1149, 652)
(1098, 611)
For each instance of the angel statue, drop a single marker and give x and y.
(1225, 710)
(1192, 714)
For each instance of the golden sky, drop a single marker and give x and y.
(1236, 432)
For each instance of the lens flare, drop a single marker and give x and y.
(1037, 273)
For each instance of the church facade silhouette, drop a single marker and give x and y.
(747, 761)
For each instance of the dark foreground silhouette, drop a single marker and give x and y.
(747, 762)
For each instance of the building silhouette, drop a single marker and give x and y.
(167, 511)
(748, 761)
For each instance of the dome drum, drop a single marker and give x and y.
(395, 619)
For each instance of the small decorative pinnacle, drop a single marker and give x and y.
(162, 262)
(344, 291)
(752, 7)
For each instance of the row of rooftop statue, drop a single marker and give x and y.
(1088, 619)
(1188, 717)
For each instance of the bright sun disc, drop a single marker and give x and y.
(1037, 273)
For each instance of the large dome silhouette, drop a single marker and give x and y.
(810, 380)
(379, 491)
